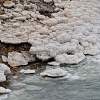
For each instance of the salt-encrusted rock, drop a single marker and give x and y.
(47, 1)
(63, 38)
(4, 58)
(91, 50)
(54, 73)
(70, 59)
(22, 18)
(4, 91)
(8, 4)
(4, 68)
(28, 56)
(27, 71)
(4, 16)
(54, 63)
(2, 76)
(17, 59)
(55, 21)
(41, 52)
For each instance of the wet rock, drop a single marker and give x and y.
(70, 59)
(27, 71)
(4, 91)
(8, 4)
(17, 59)
(54, 73)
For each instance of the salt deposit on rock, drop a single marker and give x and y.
(4, 91)
(27, 71)
(8, 4)
(54, 63)
(62, 33)
(4, 58)
(4, 68)
(57, 72)
(70, 59)
(17, 59)
(2, 77)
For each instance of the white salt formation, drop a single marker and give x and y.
(67, 33)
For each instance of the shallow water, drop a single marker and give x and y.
(87, 87)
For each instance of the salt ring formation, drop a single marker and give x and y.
(63, 30)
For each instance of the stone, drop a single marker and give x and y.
(4, 58)
(54, 73)
(27, 71)
(54, 63)
(47, 1)
(16, 59)
(2, 77)
(8, 4)
(70, 59)
(4, 68)
(4, 91)
(4, 17)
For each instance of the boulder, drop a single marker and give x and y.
(17, 59)
(4, 68)
(8, 4)
(54, 73)
(70, 59)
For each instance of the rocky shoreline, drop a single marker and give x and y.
(46, 32)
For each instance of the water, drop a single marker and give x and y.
(34, 87)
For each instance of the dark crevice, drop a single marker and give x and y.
(6, 47)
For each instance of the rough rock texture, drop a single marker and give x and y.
(69, 28)
(57, 72)
(17, 59)
(28, 71)
(4, 70)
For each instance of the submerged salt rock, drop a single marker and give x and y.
(27, 71)
(70, 59)
(57, 72)
(4, 91)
